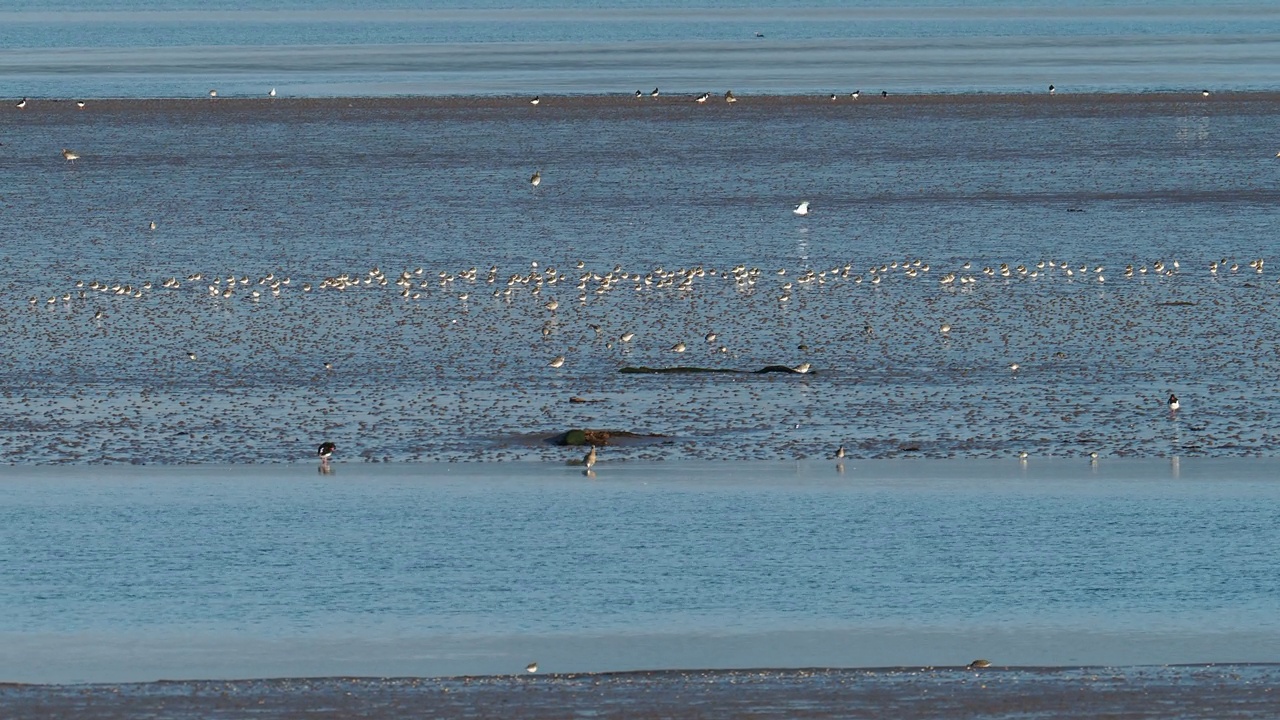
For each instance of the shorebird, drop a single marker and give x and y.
(884, 93)
(703, 97)
(272, 93)
(153, 225)
(536, 180)
(729, 98)
(678, 347)
(213, 93)
(531, 667)
(1173, 403)
(654, 93)
(1204, 93)
(22, 103)
(1022, 456)
(979, 663)
(855, 94)
(639, 94)
(1052, 90)
(590, 458)
(627, 336)
(1093, 457)
(833, 96)
(70, 155)
(325, 451)
(559, 361)
(802, 208)
(80, 104)
(536, 99)
(840, 453)
(191, 355)
(1015, 367)
(802, 368)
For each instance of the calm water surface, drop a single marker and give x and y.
(450, 569)
(181, 48)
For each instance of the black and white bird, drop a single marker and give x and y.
(1052, 90)
(654, 93)
(325, 451)
(22, 104)
(802, 208)
(1173, 403)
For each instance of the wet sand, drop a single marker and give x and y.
(1238, 691)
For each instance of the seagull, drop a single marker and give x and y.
(272, 93)
(536, 180)
(70, 155)
(1173, 403)
(535, 100)
(22, 104)
(325, 451)
(590, 458)
(802, 208)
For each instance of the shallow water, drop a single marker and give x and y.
(132, 574)
(680, 216)
(182, 48)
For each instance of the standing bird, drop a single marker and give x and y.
(638, 93)
(840, 453)
(22, 104)
(590, 458)
(272, 93)
(729, 98)
(531, 667)
(802, 208)
(1052, 90)
(536, 180)
(213, 93)
(325, 451)
(536, 99)
(654, 93)
(70, 155)
(80, 104)
(703, 97)
(1173, 403)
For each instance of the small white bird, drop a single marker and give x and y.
(678, 347)
(213, 93)
(802, 368)
(70, 155)
(627, 336)
(802, 208)
(536, 180)
(531, 667)
(272, 93)
(557, 362)
(1173, 403)
(80, 104)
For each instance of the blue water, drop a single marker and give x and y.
(444, 570)
(182, 49)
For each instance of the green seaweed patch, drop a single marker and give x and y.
(580, 437)
(690, 369)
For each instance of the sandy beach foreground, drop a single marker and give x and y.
(1239, 691)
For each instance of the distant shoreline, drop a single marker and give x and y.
(551, 103)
